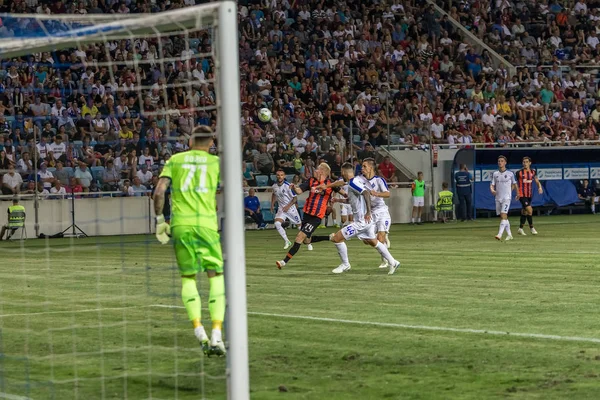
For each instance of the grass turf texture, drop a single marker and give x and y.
(452, 276)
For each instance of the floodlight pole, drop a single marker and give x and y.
(233, 224)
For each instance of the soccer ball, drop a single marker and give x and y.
(264, 114)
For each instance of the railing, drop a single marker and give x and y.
(475, 41)
(426, 146)
(68, 195)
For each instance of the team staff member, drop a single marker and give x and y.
(464, 181)
(314, 208)
(418, 192)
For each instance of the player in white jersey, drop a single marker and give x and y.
(381, 214)
(346, 209)
(286, 198)
(363, 227)
(502, 186)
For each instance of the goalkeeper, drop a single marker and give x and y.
(194, 176)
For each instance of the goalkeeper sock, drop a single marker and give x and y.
(292, 252)
(530, 221)
(385, 253)
(523, 219)
(281, 231)
(191, 300)
(343, 252)
(216, 301)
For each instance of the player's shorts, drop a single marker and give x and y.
(502, 206)
(359, 230)
(346, 209)
(418, 201)
(291, 215)
(197, 249)
(525, 201)
(382, 220)
(309, 224)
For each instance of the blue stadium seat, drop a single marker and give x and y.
(250, 166)
(77, 144)
(355, 138)
(51, 169)
(97, 172)
(262, 180)
(265, 208)
(290, 178)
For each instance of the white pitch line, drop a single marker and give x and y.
(9, 396)
(68, 312)
(352, 322)
(416, 327)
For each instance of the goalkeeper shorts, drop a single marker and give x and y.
(197, 249)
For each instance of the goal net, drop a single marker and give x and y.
(95, 105)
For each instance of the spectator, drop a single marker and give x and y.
(252, 209)
(264, 162)
(45, 176)
(387, 170)
(138, 188)
(58, 191)
(588, 195)
(11, 181)
(110, 177)
(83, 176)
(144, 174)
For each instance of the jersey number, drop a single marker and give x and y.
(192, 169)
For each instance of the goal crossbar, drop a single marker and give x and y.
(101, 28)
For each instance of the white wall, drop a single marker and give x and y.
(96, 217)
(400, 204)
(135, 215)
(417, 160)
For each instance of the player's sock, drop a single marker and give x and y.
(216, 301)
(593, 208)
(523, 219)
(530, 221)
(412, 220)
(419, 220)
(315, 239)
(502, 227)
(383, 250)
(507, 227)
(281, 231)
(343, 252)
(191, 300)
(292, 252)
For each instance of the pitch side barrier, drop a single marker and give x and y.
(560, 169)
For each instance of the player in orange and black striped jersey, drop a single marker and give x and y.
(525, 178)
(314, 209)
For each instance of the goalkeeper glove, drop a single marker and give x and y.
(163, 230)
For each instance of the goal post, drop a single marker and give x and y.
(60, 32)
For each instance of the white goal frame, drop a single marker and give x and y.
(222, 16)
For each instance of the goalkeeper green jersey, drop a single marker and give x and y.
(194, 178)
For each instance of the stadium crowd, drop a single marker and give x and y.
(341, 79)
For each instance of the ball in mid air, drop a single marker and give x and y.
(264, 114)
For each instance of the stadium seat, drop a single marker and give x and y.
(290, 178)
(97, 172)
(265, 208)
(51, 170)
(77, 144)
(355, 138)
(262, 180)
(250, 166)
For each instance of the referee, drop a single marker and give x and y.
(464, 181)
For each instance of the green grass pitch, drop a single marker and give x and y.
(465, 317)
